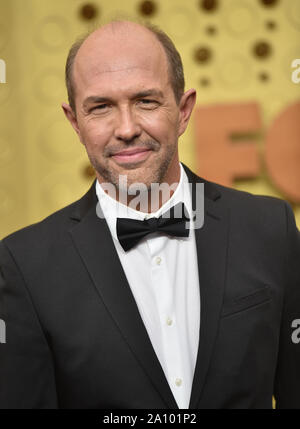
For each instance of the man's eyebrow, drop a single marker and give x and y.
(146, 93)
(95, 99)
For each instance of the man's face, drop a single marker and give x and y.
(126, 113)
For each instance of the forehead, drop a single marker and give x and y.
(118, 57)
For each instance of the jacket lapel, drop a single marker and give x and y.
(93, 241)
(212, 244)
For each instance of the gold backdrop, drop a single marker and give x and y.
(233, 51)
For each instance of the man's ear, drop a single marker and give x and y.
(71, 116)
(186, 106)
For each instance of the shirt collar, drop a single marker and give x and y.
(112, 209)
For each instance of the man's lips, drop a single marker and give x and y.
(133, 155)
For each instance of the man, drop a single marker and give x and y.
(105, 310)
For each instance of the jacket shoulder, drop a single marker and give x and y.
(264, 214)
(54, 227)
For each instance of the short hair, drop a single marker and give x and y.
(175, 67)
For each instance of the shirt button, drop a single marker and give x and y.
(158, 260)
(178, 382)
(169, 321)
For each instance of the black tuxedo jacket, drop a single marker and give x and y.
(74, 336)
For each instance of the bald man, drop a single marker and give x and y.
(124, 302)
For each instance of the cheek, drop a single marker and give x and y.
(163, 128)
(94, 135)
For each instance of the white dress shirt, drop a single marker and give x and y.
(162, 272)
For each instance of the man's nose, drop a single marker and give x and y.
(127, 127)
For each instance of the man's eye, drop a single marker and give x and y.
(99, 107)
(147, 103)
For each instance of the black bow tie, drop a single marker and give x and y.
(172, 222)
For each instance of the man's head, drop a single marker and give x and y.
(128, 105)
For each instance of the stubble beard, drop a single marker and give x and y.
(155, 173)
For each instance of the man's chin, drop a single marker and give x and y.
(125, 175)
(134, 182)
(133, 172)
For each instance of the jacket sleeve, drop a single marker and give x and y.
(287, 381)
(27, 378)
